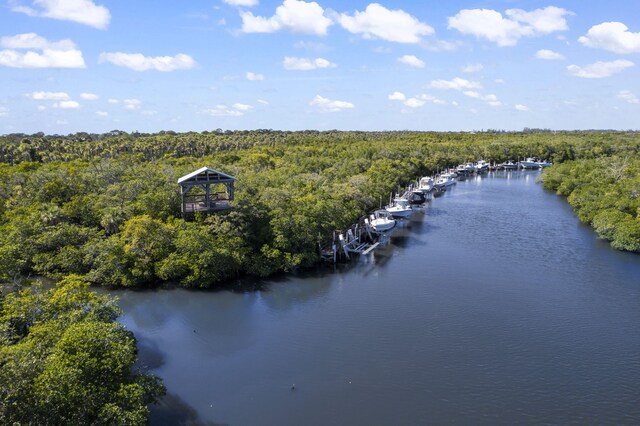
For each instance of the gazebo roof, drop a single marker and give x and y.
(206, 174)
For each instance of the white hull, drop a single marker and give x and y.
(398, 211)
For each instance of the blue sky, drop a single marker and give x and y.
(99, 65)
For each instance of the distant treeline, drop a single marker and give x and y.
(107, 207)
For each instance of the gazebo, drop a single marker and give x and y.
(206, 190)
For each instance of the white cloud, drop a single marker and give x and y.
(412, 61)
(132, 103)
(48, 96)
(506, 31)
(82, 11)
(242, 107)
(253, 76)
(53, 54)
(139, 62)
(629, 97)
(600, 69)
(489, 99)
(4, 111)
(236, 110)
(102, 113)
(455, 84)
(293, 15)
(520, 107)
(612, 36)
(67, 105)
(328, 105)
(89, 96)
(41, 107)
(390, 25)
(113, 101)
(414, 102)
(247, 3)
(549, 55)
(310, 45)
(305, 64)
(470, 68)
(34, 41)
(397, 96)
(263, 102)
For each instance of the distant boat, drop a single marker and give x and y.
(530, 163)
(445, 179)
(426, 184)
(400, 208)
(508, 165)
(533, 163)
(482, 166)
(465, 169)
(417, 197)
(381, 220)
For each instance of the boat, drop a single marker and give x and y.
(543, 163)
(445, 179)
(465, 169)
(417, 197)
(426, 184)
(530, 163)
(381, 220)
(400, 208)
(508, 165)
(482, 166)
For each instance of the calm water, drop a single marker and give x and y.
(493, 305)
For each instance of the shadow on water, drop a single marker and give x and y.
(150, 357)
(172, 411)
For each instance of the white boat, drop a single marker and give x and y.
(482, 166)
(466, 169)
(400, 208)
(530, 163)
(508, 165)
(445, 179)
(381, 220)
(544, 163)
(426, 184)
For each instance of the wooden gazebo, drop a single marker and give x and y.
(206, 190)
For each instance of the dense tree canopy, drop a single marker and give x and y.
(107, 207)
(65, 360)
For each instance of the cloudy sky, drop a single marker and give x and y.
(99, 65)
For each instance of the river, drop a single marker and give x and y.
(492, 305)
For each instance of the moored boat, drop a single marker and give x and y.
(381, 220)
(529, 163)
(400, 208)
(445, 180)
(426, 184)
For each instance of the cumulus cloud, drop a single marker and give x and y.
(48, 96)
(139, 62)
(328, 105)
(52, 54)
(600, 69)
(293, 15)
(412, 61)
(414, 102)
(506, 31)
(549, 55)
(67, 105)
(89, 96)
(253, 76)
(489, 99)
(4, 111)
(472, 68)
(132, 103)
(246, 3)
(397, 96)
(378, 22)
(628, 96)
(520, 107)
(236, 110)
(455, 84)
(612, 36)
(82, 11)
(305, 64)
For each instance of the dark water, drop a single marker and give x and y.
(494, 305)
